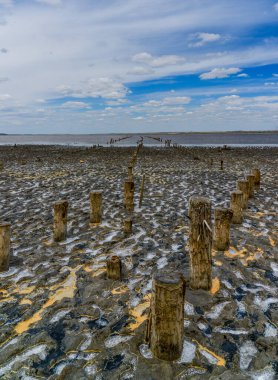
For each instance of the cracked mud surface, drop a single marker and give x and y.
(60, 318)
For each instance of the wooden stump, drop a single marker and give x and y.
(128, 226)
(236, 206)
(243, 186)
(130, 173)
(60, 220)
(200, 242)
(222, 162)
(5, 243)
(222, 223)
(114, 268)
(96, 206)
(129, 195)
(257, 174)
(165, 328)
(251, 180)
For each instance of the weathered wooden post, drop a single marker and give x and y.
(251, 179)
(222, 162)
(236, 206)
(5, 243)
(211, 162)
(60, 220)
(243, 186)
(114, 268)
(142, 191)
(222, 222)
(257, 175)
(96, 206)
(130, 173)
(129, 195)
(200, 242)
(128, 226)
(1, 165)
(165, 327)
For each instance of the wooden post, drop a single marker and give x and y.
(257, 175)
(130, 173)
(243, 186)
(96, 206)
(222, 222)
(165, 328)
(128, 226)
(222, 162)
(129, 195)
(1, 165)
(200, 242)
(60, 220)
(114, 268)
(211, 162)
(251, 179)
(236, 206)
(142, 191)
(5, 243)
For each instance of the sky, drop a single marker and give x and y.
(90, 66)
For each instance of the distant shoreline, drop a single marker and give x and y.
(139, 133)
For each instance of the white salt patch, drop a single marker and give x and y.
(210, 358)
(230, 331)
(186, 323)
(216, 310)
(9, 273)
(60, 368)
(270, 289)
(162, 262)
(10, 343)
(270, 330)
(188, 352)
(241, 307)
(59, 315)
(23, 273)
(202, 326)
(267, 373)
(145, 351)
(91, 370)
(113, 341)
(264, 304)
(147, 287)
(150, 256)
(227, 284)
(247, 351)
(274, 268)
(40, 351)
(238, 274)
(86, 342)
(188, 308)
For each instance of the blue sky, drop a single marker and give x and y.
(93, 66)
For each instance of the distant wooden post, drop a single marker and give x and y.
(200, 242)
(5, 243)
(128, 226)
(211, 162)
(257, 175)
(165, 328)
(1, 165)
(130, 173)
(129, 195)
(60, 220)
(222, 222)
(142, 191)
(243, 186)
(251, 179)
(96, 206)
(222, 162)
(236, 206)
(114, 268)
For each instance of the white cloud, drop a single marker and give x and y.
(96, 87)
(243, 75)
(275, 75)
(160, 61)
(168, 101)
(50, 2)
(220, 73)
(276, 7)
(75, 105)
(140, 70)
(204, 38)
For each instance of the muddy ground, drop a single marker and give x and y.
(60, 318)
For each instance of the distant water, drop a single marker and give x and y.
(206, 139)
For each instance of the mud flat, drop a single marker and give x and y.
(61, 318)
